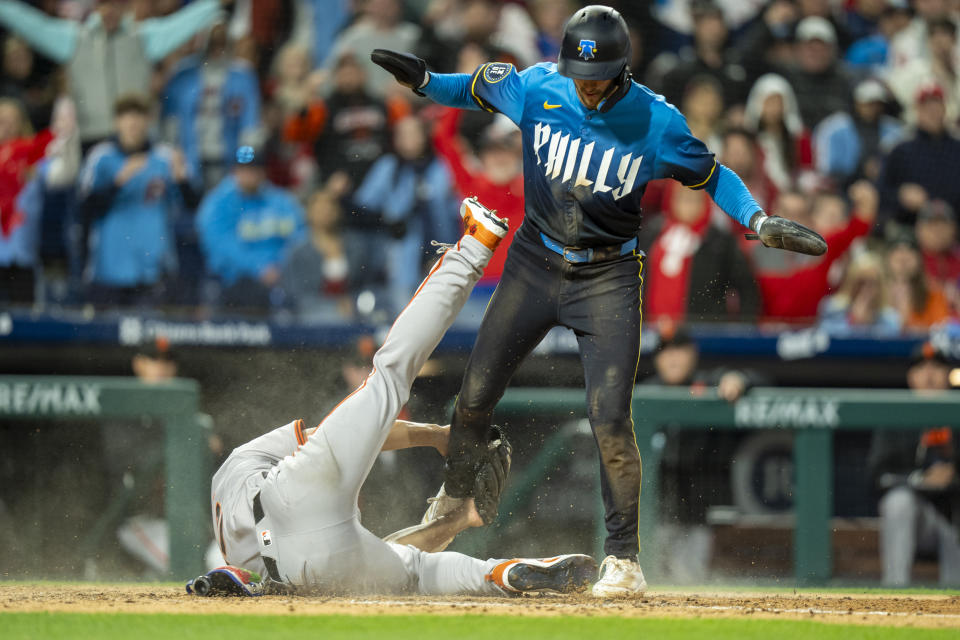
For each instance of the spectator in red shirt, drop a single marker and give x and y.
(19, 150)
(795, 295)
(936, 231)
(497, 181)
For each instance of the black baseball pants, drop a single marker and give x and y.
(600, 302)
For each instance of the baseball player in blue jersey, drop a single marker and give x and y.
(592, 139)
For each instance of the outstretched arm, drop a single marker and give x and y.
(55, 38)
(405, 435)
(162, 35)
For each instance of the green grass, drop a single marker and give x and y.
(78, 626)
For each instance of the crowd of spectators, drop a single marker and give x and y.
(245, 156)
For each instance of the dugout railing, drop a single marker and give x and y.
(812, 414)
(174, 403)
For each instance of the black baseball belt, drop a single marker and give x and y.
(269, 563)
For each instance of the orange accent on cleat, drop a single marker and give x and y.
(499, 574)
(482, 224)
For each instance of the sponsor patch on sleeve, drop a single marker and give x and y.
(497, 71)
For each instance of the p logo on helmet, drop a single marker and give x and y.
(587, 49)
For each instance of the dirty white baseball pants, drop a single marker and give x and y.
(311, 525)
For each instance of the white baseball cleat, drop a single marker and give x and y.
(440, 505)
(570, 573)
(482, 223)
(619, 578)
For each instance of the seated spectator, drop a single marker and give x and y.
(55, 156)
(702, 105)
(936, 233)
(938, 67)
(741, 154)
(873, 53)
(498, 182)
(694, 269)
(688, 454)
(918, 481)
(108, 55)
(246, 227)
(212, 102)
(912, 42)
(849, 146)
(314, 277)
(821, 85)
(350, 129)
(550, 16)
(773, 116)
(862, 303)
(29, 80)
(130, 190)
(380, 25)
(922, 167)
(409, 193)
(709, 57)
(920, 303)
(293, 84)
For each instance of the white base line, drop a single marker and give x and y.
(563, 606)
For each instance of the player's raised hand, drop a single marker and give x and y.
(780, 233)
(408, 69)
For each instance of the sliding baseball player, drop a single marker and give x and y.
(285, 504)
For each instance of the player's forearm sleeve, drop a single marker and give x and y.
(450, 89)
(731, 195)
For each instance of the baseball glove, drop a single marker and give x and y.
(492, 475)
(408, 69)
(780, 233)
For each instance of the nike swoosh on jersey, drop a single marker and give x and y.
(547, 105)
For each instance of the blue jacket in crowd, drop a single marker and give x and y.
(131, 240)
(240, 104)
(243, 234)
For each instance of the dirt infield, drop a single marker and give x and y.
(901, 610)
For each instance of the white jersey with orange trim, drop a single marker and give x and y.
(237, 482)
(295, 518)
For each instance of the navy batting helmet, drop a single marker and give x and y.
(596, 44)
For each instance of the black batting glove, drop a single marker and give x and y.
(408, 69)
(780, 233)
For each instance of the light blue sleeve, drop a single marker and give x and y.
(728, 191)
(53, 37)
(216, 226)
(162, 35)
(450, 89)
(376, 185)
(499, 87)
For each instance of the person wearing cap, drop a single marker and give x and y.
(848, 146)
(687, 453)
(922, 167)
(212, 102)
(108, 55)
(246, 226)
(936, 234)
(130, 191)
(821, 84)
(938, 66)
(592, 140)
(919, 483)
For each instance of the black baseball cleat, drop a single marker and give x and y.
(572, 573)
